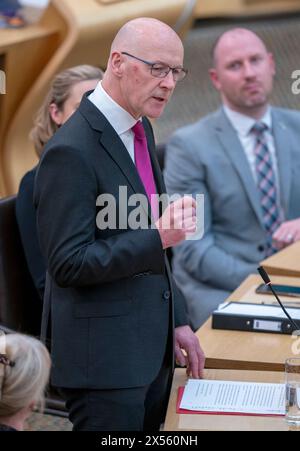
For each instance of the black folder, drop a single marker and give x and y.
(258, 321)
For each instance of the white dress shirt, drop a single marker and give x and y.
(119, 118)
(243, 125)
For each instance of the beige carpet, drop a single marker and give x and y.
(40, 422)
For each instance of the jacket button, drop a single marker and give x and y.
(166, 295)
(260, 248)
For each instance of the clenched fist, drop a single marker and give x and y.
(177, 222)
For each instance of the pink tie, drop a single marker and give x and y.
(143, 165)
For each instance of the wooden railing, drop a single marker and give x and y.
(225, 8)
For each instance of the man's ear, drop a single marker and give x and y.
(214, 78)
(272, 63)
(55, 113)
(117, 63)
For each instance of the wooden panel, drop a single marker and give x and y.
(106, 2)
(223, 8)
(72, 32)
(24, 63)
(27, 51)
(285, 262)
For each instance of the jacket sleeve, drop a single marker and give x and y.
(65, 196)
(180, 313)
(203, 259)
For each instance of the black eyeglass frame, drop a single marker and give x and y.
(168, 68)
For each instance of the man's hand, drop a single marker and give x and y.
(287, 233)
(177, 222)
(194, 359)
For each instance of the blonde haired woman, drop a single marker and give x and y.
(24, 374)
(61, 102)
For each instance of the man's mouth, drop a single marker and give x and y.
(159, 99)
(253, 87)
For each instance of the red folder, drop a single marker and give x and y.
(197, 412)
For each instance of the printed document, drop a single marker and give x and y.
(234, 397)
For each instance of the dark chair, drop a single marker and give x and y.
(20, 305)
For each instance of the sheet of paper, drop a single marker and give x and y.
(258, 310)
(234, 397)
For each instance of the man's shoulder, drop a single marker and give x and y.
(287, 115)
(75, 133)
(28, 178)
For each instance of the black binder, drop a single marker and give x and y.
(256, 322)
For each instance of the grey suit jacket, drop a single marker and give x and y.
(207, 157)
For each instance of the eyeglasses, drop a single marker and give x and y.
(160, 70)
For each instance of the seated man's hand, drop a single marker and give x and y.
(287, 233)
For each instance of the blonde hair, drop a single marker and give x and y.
(44, 126)
(23, 381)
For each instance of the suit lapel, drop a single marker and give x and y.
(118, 152)
(235, 152)
(283, 152)
(111, 142)
(113, 145)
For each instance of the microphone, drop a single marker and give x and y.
(264, 275)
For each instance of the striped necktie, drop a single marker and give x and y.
(266, 183)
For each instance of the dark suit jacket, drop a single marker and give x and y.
(26, 219)
(111, 291)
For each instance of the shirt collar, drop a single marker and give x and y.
(119, 118)
(243, 124)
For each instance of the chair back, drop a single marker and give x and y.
(20, 306)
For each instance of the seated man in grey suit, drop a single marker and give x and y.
(245, 159)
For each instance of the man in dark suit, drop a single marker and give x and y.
(115, 308)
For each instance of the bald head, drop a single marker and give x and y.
(243, 72)
(235, 37)
(143, 34)
(145, 59)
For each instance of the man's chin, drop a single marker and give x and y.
(257, 101)
(155, 113)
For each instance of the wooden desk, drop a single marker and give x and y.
(186, 422)
(249, 350)
(285, 262)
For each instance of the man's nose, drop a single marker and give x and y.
(249, 70)
(168, 81)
